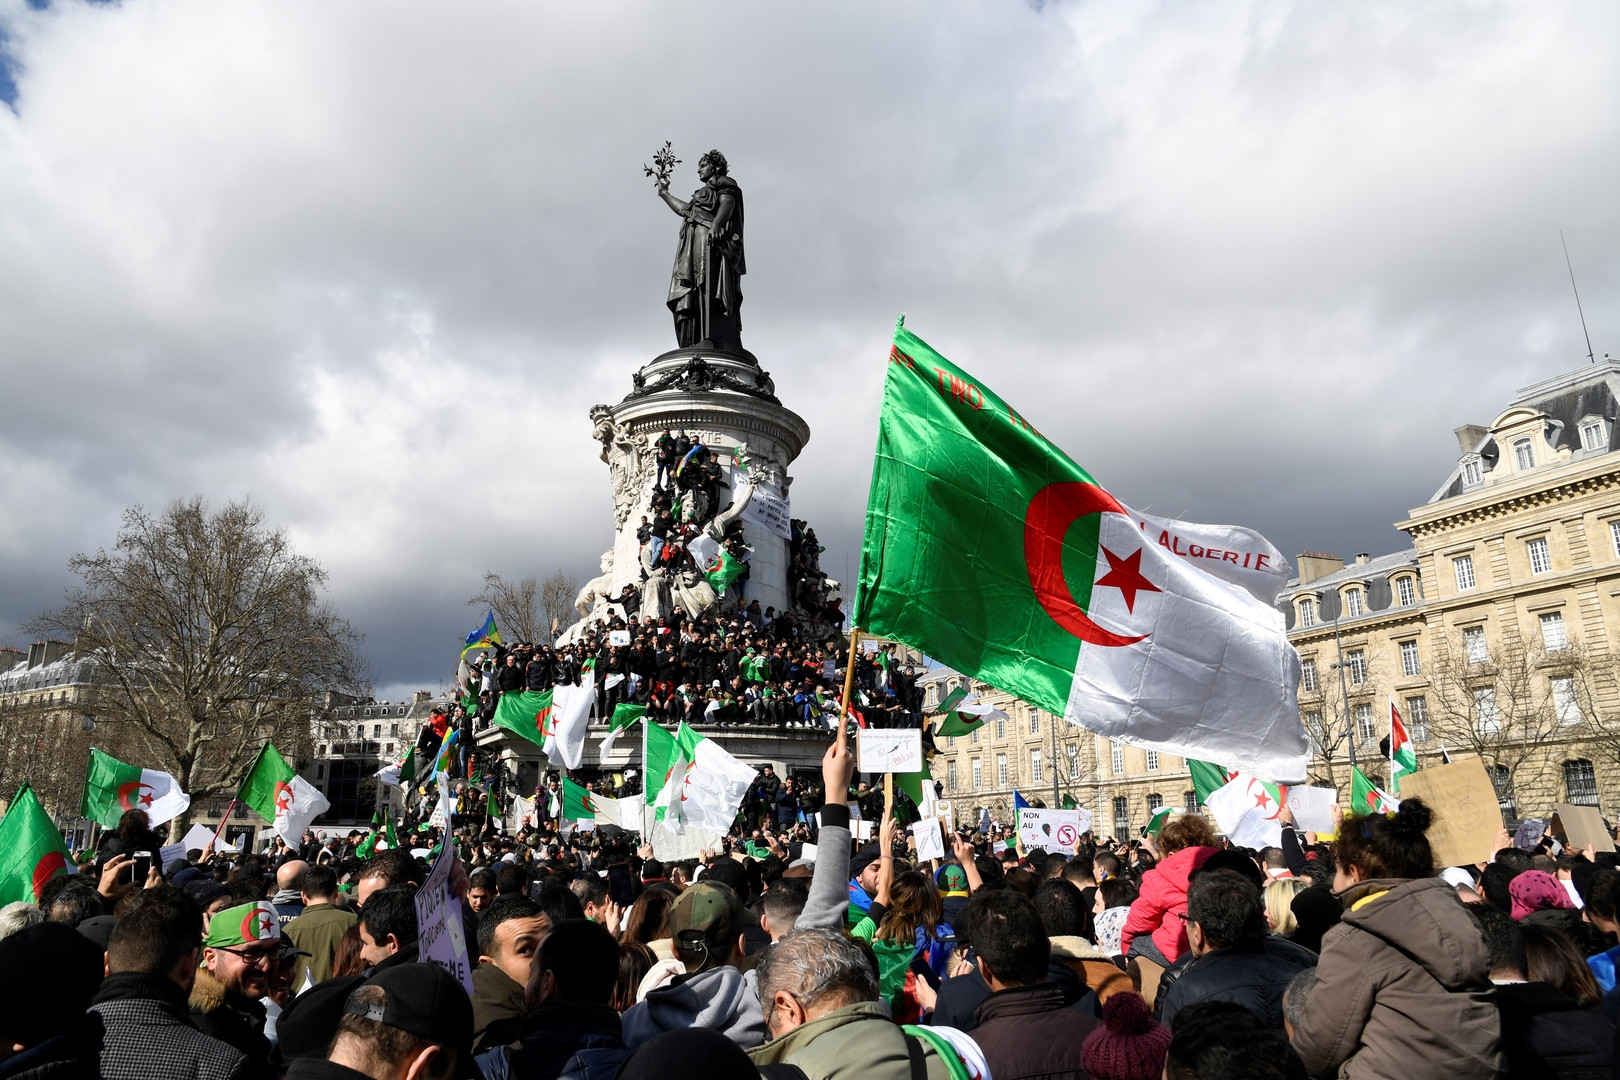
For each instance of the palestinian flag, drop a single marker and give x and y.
(486, 636)
(528, 715)
(991, 551)
(723, 570)
(1368, 798)
(112, 787)
(1402, 758)
(279, 795)
(31, 849)
(1208, 778)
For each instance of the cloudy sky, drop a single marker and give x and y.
(372, 264)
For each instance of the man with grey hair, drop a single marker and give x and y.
(819, 993)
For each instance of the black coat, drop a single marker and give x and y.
(1545, 1033)
(1254, 979)
(568, 1041)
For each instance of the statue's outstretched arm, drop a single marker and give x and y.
(677, 205)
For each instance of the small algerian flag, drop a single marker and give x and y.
(625, 716)
(407, 771)
(279, 795)
(723, 570)
(31, 850)
(951, 701)
(112, 787)
(1368, 798)
(388, 831)
(1164, 634)
(1156, 822)
(492, 806)
(1069, 802)
(968, 718)
(739, 464)
(367, 847)
(1208, 778)
(1246, 809)
(1402, 758)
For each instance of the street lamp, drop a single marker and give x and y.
(1344, 693)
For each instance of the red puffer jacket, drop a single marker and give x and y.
(1162, 901)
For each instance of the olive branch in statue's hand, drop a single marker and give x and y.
(664, 162)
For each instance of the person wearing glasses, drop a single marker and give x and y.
(240, 953)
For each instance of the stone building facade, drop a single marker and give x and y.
(1497, 632)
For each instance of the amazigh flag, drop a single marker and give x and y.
(1019, 802)
(31, 850)
(484, 637)
(279, 795)
(721, 571)
(988, 549)
(447, 753)
(1207, 778)
(1246, 809)
(702, 784)
(690, 454)
(1368, 798)
(625, 716)
(112, 787)
(1402, 758)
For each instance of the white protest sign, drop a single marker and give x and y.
(440, 937)
(807, 852)
(1052, 830)
(771, 512)
(946, 812)
(171, 854)
(1312, 807)
(888, 750)
(618, 637)
(863, 830)
(930, 842)
(200, 836)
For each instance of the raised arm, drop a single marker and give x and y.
(829, 881)
(677, 205)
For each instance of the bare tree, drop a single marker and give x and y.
(557, 595)
(1331, 721)
(45, 745)
(516, 605)
(1501, 703)
(206, 635)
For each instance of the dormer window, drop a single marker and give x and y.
(1307, 612)
(1594, 434)
(1471, 472)
(1405, 590)
(1524, 455)
(1352, 603)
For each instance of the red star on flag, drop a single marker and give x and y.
(1126, 576)
(146, 799)
(1262, 800)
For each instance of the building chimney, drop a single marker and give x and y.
(1469, 436)
(1363, 558)
(36, 654)
(10, 658)
(420, 696)
(1316, 564)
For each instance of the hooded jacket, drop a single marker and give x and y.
(1401, 988)
(1163, 897)
(858, 1041)
(1091, 964)
(722, 999)
(498, 1008)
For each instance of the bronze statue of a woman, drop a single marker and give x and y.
(705, 288)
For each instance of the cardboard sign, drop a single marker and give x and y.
(1466, 812)
(1313, 808)
(440, 937)
(888, 750)
(771, 512)
(1052, 830)
(930, 841)
(1581, 826)
(807, 852)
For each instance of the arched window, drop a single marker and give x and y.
(1502, 781)
(1307, 612)
(1524, 455)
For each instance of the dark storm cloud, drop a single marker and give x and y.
(1246, 262)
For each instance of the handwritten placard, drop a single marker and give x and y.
(441, 939)
(888, 750)
(930, 841)
(1466, 813)
(1052, 830)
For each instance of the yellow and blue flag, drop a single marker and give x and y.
(484, 637)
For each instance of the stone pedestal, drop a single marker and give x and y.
(725, 402)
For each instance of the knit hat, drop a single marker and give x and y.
(1537, 890)
(952, 879)
(1130, 1044)
(244, 923)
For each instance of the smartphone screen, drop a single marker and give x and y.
(620, 886)
(139, 867)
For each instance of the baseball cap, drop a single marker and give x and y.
(706, 920)
(423, 1000)
(242, 924)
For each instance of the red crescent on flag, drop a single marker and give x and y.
(259, 925)
(542, 718)
(1265, 795)
(284, 797)
(1053, 509)
(125, 790)
(50, 864)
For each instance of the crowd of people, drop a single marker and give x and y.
(1174, 955)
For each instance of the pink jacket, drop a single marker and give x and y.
(1162, 901)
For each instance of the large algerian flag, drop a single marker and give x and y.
(702, 785)
(112, 787)
(1402, 758)
(279, 795)
(31, 850)
(526, 714)
(1246, 809)
(1207, 778)
(554, 720)
(988, 549)
(1367, 797)
(722, 570)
